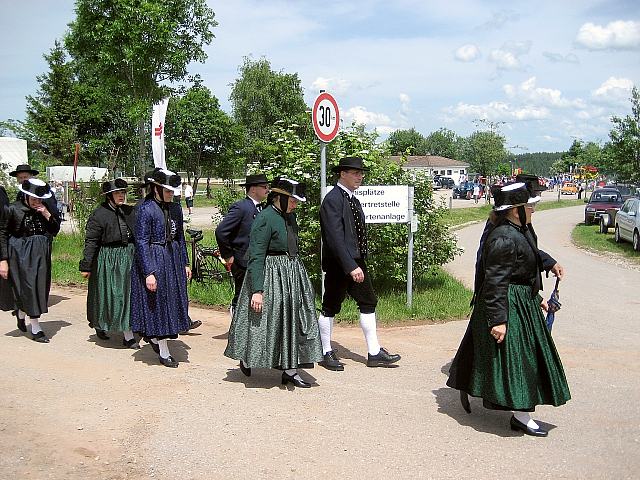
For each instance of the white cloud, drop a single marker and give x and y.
(560, 58)
(614, 91)
(528, 92)
(498, 111)
(467, 53)
(622, 35)
(508, 56)
(381, 122)
(500, 19)
(338, 86)
(405, 100)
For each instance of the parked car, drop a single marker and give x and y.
(601, 200)
(568, 188)
(464, 191)
(445, 182)
(628, 223)
(625, 190)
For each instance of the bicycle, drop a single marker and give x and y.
(206, 262)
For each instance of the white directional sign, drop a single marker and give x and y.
(326, 117)
(384, 203)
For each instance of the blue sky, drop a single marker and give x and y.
(552, 71)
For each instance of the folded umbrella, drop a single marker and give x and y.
(553, 305)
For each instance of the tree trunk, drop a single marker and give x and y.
(142, 165)
(208, 186)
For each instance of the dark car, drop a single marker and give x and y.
(627, 191)
(601, 200)
(464, 191)
(445, 182)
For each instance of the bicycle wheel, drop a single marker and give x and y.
(212, 266)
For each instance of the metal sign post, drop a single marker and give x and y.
(413, 227)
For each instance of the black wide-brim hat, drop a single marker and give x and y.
(34, 187)
(509, 196)
(532, 182)
(114, 185)
(349, 163)
(166, 179)
(147, 175)
(24, 168)
(257, 179)
(291, 188)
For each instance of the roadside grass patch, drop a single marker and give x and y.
(589, 237)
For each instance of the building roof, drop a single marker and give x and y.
(428, 161)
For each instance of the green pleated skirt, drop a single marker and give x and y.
(521, 372)
(108, 298)
(285, 334)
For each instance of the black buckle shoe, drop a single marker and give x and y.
(101, 334)
(298, 382)
(22, 326)
(464, 400)
(331, 362)
(194, 324)
(382, 359)
(131, 344)
(534, 432)
(39, 337)
(245, 370)
(154, 346)
(169, 362)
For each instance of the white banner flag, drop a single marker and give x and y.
(157, 133)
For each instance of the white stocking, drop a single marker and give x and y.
(128, 335)
(525, 418)
(368, 325)
(164, 348)
(326, 328)
(35, 325)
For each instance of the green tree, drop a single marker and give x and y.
(623, 150)
(135, 46)
(410, 142)
(484, 150)
(260, 97)
(443, 142)
(201, 138)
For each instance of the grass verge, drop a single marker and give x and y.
(590, 238)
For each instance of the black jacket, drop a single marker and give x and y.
(340, 241)
(510, 256)
(104, 229)
(11, 225)
(232, 234)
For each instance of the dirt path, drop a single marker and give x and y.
(77, 409)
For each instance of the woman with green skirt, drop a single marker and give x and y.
(507, 356)
(275, 324)
(107, 259)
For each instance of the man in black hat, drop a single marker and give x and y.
(232, 234)
(344, 253)
(25, 172)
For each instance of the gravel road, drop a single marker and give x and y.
(79, 408)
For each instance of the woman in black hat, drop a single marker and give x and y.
(507, 356)
(107, 260)
(275, 323)
(25, 253)
(160, 271)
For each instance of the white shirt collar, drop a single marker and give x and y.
(349, 192)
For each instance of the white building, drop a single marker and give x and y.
(435, 165)
(13, 152)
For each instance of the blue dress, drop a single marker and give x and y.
(161, 250)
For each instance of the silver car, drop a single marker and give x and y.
(628, 223)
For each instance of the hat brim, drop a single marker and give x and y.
(284, 192)
(339, 168)
(44, 197)
(168, 187)
(16, 172)
(501, 208)
(115, 190)
(534, 200)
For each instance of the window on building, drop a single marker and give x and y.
(449, 172)
(442, 172)
(462, 171)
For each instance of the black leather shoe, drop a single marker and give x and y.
(131, 344)
(534, 432)
(169, 362)
(464, 400)
(306, 366)
(382, 359)
(39, 337)
(245, 370)
(331, 362)
(101, 334)
(194, 324)
(21, 325)
(154, 346)
(298, 382)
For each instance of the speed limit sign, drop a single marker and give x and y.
(326, 117)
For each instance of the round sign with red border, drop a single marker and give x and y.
(326, 117)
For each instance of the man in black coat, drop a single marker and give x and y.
(232, 234)
(344, 253)
(25, 172)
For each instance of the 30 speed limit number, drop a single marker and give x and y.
(326, 117)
